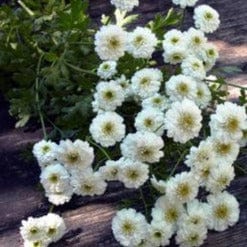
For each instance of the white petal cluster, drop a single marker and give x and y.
(107, 129)
(125, 84)
(133, 173)
(143, 146)
(185, 3)
(159, 185)
(157, 101)
(146, 82)
(125, 5)
(129, 227)
(203, 95)
(110, 171)
(180, 87)
(45, 152)
(108, 96)
(110, 42)
(206, 18)
(228, 122)
(150, 120)
(141, 43)
(43, 230)
(195, 39)
(107, 69)
(183, 121)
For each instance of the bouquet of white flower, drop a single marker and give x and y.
(150, 118)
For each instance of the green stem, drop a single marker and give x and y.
(51, 208)
(24, 6)
(80, 70)
(241, 168)
(144, 202)
(178, 162)
(100, 148)
(226, 83)
(37, 99)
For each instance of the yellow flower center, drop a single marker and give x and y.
(108, 128)
(221, 211)
(183, 88)
(186, 121)
(171, 215)
(183, 190)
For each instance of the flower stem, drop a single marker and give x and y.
(37, 99)
(24, 6)
(178, 162)
(51, 208)
(80, 70)
(144, 202)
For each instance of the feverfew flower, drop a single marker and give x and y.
(175, 55)
(173, 39)
(193, 67)
(183, 121)
(88, 183)
(151, 120)
(45, 152)
(181, 87)
(224, 209)
(141, 43)
(146, 82)
(185, 3)
(110, 42)
(133, 173)
(108, 96)
(159, 233)
(183, 187)
(129, 227)
(54, 178)
(107, 128)
(125, 5)
(228, 121)
(54, 227)
(110, 170)
(76, 155)
(157, 101)
(220, 177)
(195, 40)
(59, 198)
(206, 18)
(125, 84)
(107, 69)
(203, 95)
(191, 236)
(142, 146)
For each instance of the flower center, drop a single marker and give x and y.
(186, 121)
(37, 244)
(106, 67)
(196, 66)
(223, 148)
(34, 230)
(197, 40)
(221, 212)
(73, 157)
(200, 93)
(87, 187)
(193, 238)
(108, 95)
(53, 178)
(51, 231)
(157, 235)
(146, 152)
(177, 57)
(148, 122)
(232, 125)
(114, 43)
(128, 228)
(175, 40)
(46, 149)
(183, 88)
(108, 128)
(157, 101)
(145, 81)
(133, 175)
(171, 215)
(183, 190)
(139, 40)
(208, 16)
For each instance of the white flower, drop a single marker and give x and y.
(173, 39)
(219, 178)
(125, 5)
(160, 233)
(45, 152)
(107, 128)
(157, 101)
(225, 151)
(129, 227)
(133, 173)
(32, 229)
(141, 43)
(193, 67)
(55, 178)
(125, 84)
(110, 42)
(183, 187)
(196, 215)
(108, 96)
(167, 210)
(158, 185)
(228, 122)
(175, 55)
(185, 3)
(206, 18)
(196, 40)
(38, 243)
(181, 87)
(88, 183)
(183, 121)
(54, 227)
(191, 236)
(110, 170)
(107, 69)
(224, 210)
(203, 95)
(142, 146)
(146, 82)
(59, 198)
(151, 120)
(75, 155)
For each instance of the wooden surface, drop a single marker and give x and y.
(89, 219)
